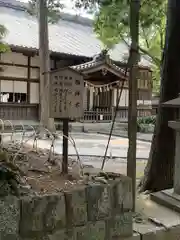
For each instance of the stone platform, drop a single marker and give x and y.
(67, 217)
(93, 212)
(168, 198)
(159, 222)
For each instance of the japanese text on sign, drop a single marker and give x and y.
(66, 94)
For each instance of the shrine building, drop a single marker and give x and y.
(72, 44)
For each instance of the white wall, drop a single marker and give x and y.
(12, 57)
(21, 72)
(34, 92)
(20, 87)
(35, 61)
(13, 86)
(35, 73)
(12, 71)
(6, 86)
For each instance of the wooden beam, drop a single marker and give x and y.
(19, 79)
(33, 51)
(17, 65)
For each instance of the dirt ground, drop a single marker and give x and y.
(41, 170)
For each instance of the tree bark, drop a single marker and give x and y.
(132, 110)
(45, 121)
(159, 171)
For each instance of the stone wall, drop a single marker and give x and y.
(96, 211)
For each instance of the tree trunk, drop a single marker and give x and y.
(132, 110)
(159, 171)
(45, 121)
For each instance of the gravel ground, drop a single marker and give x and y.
(117, 165)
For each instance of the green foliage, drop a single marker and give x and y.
(89, 5)
(146, 124)
(147, 120)
(112, 26)
(3, 32)
(54, 7)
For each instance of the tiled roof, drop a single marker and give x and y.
(72, 35)
(173, 103)
(100, 63)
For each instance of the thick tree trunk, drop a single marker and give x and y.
(132, 110)
(160, 168)
(45, 121)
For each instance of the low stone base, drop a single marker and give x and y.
(96, 211)
(168, 199)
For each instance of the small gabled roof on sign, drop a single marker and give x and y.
(67, 68)
(174, 103)
(100, 62)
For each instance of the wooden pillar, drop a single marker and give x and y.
(91, 98)
(114, 97)
(85, 98)
(28, 79)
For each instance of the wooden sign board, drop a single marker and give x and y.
(66, 94)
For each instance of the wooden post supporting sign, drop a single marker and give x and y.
(66, 102)
(65, 145)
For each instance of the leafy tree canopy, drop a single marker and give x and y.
(3, 32)
(111, 25)
(54, 7)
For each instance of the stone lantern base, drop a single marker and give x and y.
(167, 198)
(171, 197)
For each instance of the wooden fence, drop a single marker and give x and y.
(101, 115)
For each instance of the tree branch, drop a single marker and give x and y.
(154, 59)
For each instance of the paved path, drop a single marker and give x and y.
(102, 128)
(140, 136)
(94, 145)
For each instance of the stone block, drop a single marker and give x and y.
(120, 226)
(32, 215)
(59, 235)
(173, 233)
(35, 238)
(9, 216)
(136, 236)
(76, 207)
(99, 201)
(122, 194)
(42, 214)
(97, 231)
(70, 235)
(92, 231)
(55, 213)
(80, 233)
(5, 189)
(158, 234)
(9, 236)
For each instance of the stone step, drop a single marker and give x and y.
(165, 200)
